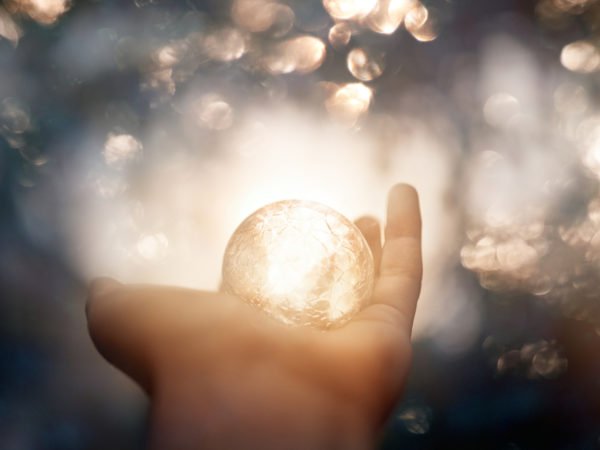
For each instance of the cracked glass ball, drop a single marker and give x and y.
(301, 262)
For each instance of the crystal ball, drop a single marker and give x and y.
(300, 262)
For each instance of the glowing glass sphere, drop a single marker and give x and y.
(301, 262)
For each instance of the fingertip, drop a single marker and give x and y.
(368, 225)
(405, 187)
(403, 192)
(404, 215)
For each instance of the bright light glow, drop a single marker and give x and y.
(120, 149)
(301, 262)
(416, 17)
(213, 112)
(301, 54)
(500, 108)
(580, 56)
(262, 15)
(152, 247)
(349, 9)
(169, 55)
(227, 44)
(253, 15)
(349, 102)
(365, 64)
(42, 11)
(9, 28)
(420, 23)
(387, 15)
(270, 154)
(339, 35)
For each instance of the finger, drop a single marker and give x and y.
(371, 230)
(397, 288)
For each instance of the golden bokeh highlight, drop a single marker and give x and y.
(349, 9)
(283, 20)
(339, 35)
(152, 247)
(500, 109)
(9, 29)
(416, 17)
(213, 112)
(253, 15)
(365, 64)
(45, 12)
(120, 149)
(388, 15)
(169, 55)
(421, 23)
(347, 103)
(580, 56)
(540, 359)
(300, 54)
(225, 44)
(262, 15)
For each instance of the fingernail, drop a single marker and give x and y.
(99, 287)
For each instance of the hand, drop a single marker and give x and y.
(223, 375)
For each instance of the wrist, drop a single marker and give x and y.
(250, 419)
(335, 430)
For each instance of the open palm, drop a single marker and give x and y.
(223, 375)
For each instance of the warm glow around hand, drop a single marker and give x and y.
(301, 262)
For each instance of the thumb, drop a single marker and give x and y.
(120, 328)
(144, 330)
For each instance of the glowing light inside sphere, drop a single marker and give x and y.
(301, 262)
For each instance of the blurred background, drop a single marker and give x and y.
(136, 135)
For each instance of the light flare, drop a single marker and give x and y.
(388, 15)
(421, 23)
(43, 11)
(152, 247)
(500, 108)
(301, 54)
(213, 112)
(9, 28)
(339, 35)
(120, 149)
(580, 56)
(365, 64)
(349, 102)
(349, 9)
(258, 16)
(225, 44)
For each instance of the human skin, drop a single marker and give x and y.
(223, 375)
